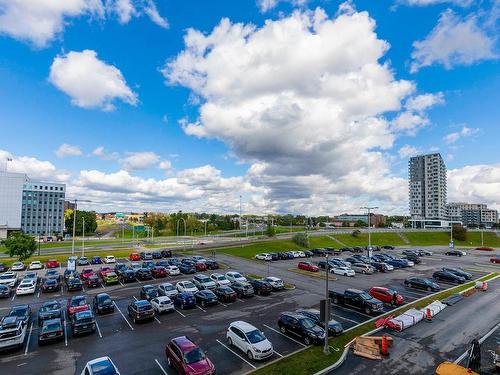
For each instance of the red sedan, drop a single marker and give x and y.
(104, 270)
(386, 295)
(159, 271)
(134, 257)
(77, 304)
(200, 266)
(308, 266)
(86, 273)
(484, 248)
(495, 259)
(52, 263)
(187, 357)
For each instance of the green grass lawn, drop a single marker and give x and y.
(249, 250)
(376, 239)
(443, 238)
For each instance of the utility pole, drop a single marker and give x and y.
(369, 228)
(326, 348)
(74, 233)
(83, 238)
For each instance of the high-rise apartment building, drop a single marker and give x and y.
(427, 186)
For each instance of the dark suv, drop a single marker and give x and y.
(260, 287)
(143, 274)
(242, 289)
(301, 326)
(141, 310)
(83, 322)
(102, 303)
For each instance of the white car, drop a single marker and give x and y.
(186, 286)
(463, 252)
(199, 258)
(26, 287)
(35, 265)
(219, 279)
(12, 332)
(173, 270)
(301, 254)
(31, 276)
(249, 340)
(276, 283)
(296, 254)
(203, 282)
(103, 365)
(167, 289)
(263, 256)
(109, 259)
(8, 278)
(233, 277)
(17, 266)
(162, 304)
(410, 263)
(342, 271)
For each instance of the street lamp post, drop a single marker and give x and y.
(185, 230)
(326, 348)
(74, 223)
(83, 238)
(369, 229)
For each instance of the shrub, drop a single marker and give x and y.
(459, 232)
(301, 239)
(356, 233)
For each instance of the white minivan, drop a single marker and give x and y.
(249, 340)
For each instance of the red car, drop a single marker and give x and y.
(104, 270)
(495, 259)
(484, 248)
(134, 256)
(77, 304)
(308, 266)
(86, 273)
(188, 358)
(200, 266)
(386, 295)
(159, 271)
(52, 263)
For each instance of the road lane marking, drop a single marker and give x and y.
(282, 334)
(114, 303)
(121, 283)
(201, 308)
(180, 313)
(158, 320)
(237, 355)
(223, 304)
(135, 298)
(29, 337)
(38, 295)
(98, 329)
(275, 352)
(161, 367)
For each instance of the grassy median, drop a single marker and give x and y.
(311, 359)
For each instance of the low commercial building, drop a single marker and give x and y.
(376, 220)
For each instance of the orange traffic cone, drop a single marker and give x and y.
(428, 315)
(384, 350)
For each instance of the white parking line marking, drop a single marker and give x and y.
(342, 318)
(121, 283)
(161, 367)
(241, 300)
(201, 308)
(288, 337)
(135, 298)
(28, 342)
(275, 352)
(180, 313)
(65, 330)
(22, 364)
(13, 297)
(353, 311)
(38, 295)
(158, 320)
(237, 355)
(102, 286)
(114, 303)
(415, 293)
(98, 329)
(223, 304)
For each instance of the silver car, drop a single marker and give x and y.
(362, 268)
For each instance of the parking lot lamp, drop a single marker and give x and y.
(369, 229)
(74, 223)
(326, 348)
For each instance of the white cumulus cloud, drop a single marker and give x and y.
(463, 133)
(423, 3)
(89, 81)
(68, 150)
(139, 160)
(407, 151)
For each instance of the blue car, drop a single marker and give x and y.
(96, 260)
(187, 268)
(290, 255)
(185, 300)
(399, 263)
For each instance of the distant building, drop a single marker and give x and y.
(351, 220)
(472, 214)
(69, 205)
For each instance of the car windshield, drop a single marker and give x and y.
(255, 336)
(168, 287)
(365, 296)
(221, 277)
(236, 275)
(144, 307)
(78, 302)
(188, 284)
(194, 355)
(204, 279)
(103, 368)
(105, 300)
(307, 323)
(18, 312)
(51, 326)
(6, 276)
(53, 306)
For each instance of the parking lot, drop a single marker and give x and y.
(139, 348)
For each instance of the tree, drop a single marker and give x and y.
(459, 232)
(90, 222)
(270, 232)
(301, 239)
(20, 245)
(356, 233)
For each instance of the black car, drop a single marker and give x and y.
(282, 256)
(127, 276)
(334, 327)
(120, 268)
(301, 326)
(70, 274)
(448, 276)
(225, 294)
(456, 253)
(166, 253)
(212, 264)
(308, 254)
(141, 310)
(260, 287)
(422, 283)
(156, 255)
(49, 310)
(21, 312)
(274, 256)
(102, 303)
(3, 268)
(74, 283)
(92, 282)
(143, 274)
(319, 252)
(387, 247)
(413, 257)
(50, 285)
(51, 330)
(379, 266)
(53, 274)
(345, 249)
(149, 292)
(357, 249)
(83, 322)
(408, 251)
(187, 268)
(242, 289)
(206, 298)
(459, 272)
(4, 291)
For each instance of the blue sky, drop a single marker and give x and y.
(50, 95)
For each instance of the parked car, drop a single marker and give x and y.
(102, 304)
(26, 287)
(398, 263)
(159, 272)
(334, 327)
(173, 270)
(206, 298)
(412, 257)
(186, 357)
(260, 286)
(110, 278)
(134, 257)
(212, 264)
(8, 278)
(162, 304)
(18, 266)
(148, 292)
(5, 291)
(307, 266)
(52, 263)
(276, 283)
(76, 304)
(422, 283)
(200, 266)
(134, 266)
(409, 251)
(495, 259)
(35, 265)
(448, 276)
(50, 285)
(386, 295)
(146, 255)
(225, 293)
(127, 276)
(187, 269)
(21, 312)
(242, 289)
(3, 267)
(344, 271)
(456, 253)
(167, 289)
(264, 256)
(282, 256)
(165, 253)
(219, 279)
(203, 282)
(74, 283)
(49, 310)
(156, 255)
(382, 266)
(149, 264)
(86, 273)
(174, 262)
(51, 330)
(102, 365)
(120, 268)
(96, 260)
(249, 340)
(387, 247)
(70, 274)
(140, 310)
(143, 274)
(233, 277)
(459, 272)
(186, 286)
(83, 261)
(185, 300)
(302, 327)
(92, 282)
(362, 268)
(83, 322)
(357, 299)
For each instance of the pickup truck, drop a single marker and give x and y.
(357, 299)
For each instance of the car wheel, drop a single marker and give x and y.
(307, 340)
(202, 303)
(363, 272)
(368, 310)
(249, 355)
(229, 341)
(283, 329)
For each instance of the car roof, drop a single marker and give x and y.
(163, 298)
(243, 326)
(354, 290)
(184, 343)
(142, 302)
(100, 359)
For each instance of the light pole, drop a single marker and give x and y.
(83, 238)
(74, 224)
(369, 229)
(326, 348)
(185, 229)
